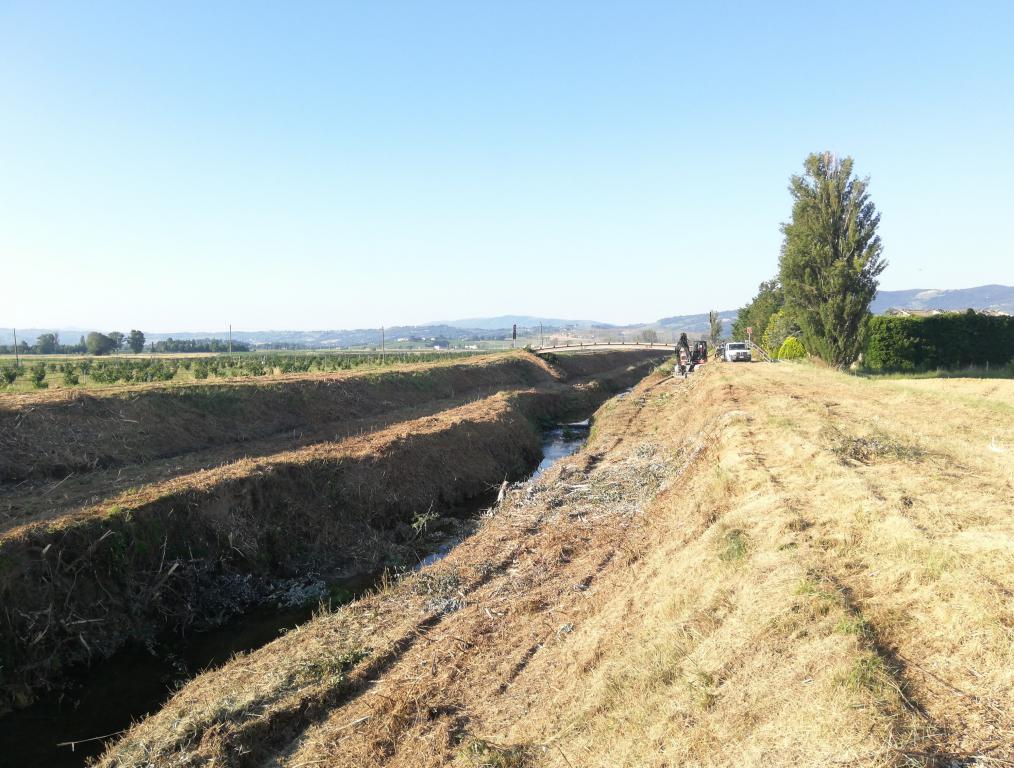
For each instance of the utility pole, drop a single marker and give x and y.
(17, 360)
(542, 340)
(230, 339)
(383, 344)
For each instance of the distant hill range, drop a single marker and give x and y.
(996, 297)
(476, 329)
(696, 323)
(999, 298)
(301, 339)
(522, 321)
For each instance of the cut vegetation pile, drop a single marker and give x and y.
(195, 489)
(764, 565)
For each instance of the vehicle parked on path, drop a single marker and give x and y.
(737, 352)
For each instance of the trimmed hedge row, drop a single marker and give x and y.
(941, 341)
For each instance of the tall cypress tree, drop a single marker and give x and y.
(831, 257)
(715, 326)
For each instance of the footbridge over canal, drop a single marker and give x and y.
(577, 346)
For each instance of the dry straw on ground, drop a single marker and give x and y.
(103, 556)
(762, 566)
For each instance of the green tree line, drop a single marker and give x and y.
(830, 260)
(94, 343)
(197, 345)
(819, 301)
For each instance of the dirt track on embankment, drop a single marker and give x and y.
(129, 512)
(761, 566)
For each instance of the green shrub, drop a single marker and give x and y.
(105, 372)
(791, 349)
(251, 367)
(735, 544)
(9, 375)
(38, 376)
(69, 377)
(780, 327)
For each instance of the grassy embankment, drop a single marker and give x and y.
(52, 433)
(125, 512)
(766, 565)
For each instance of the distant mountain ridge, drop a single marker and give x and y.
(699, 323)
(998, 297)
(307, 339)
(493, 328)
(522, 321)
(995, 297)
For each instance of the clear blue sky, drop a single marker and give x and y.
(179, 166)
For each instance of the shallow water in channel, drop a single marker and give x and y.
(103, 700)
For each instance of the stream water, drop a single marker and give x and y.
(103, 700)
(561, 441)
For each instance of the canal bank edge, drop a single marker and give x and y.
(76, 589)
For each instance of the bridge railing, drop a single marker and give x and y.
(589, 344)
(759, 348)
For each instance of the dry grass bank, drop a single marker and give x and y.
(52, 434)
(88, 564)
(764, 566)
(992, 394)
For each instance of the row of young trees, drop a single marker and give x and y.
(830, 260)
(198, 345)
(129, 370)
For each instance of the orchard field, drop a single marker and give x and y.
(68, 371)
